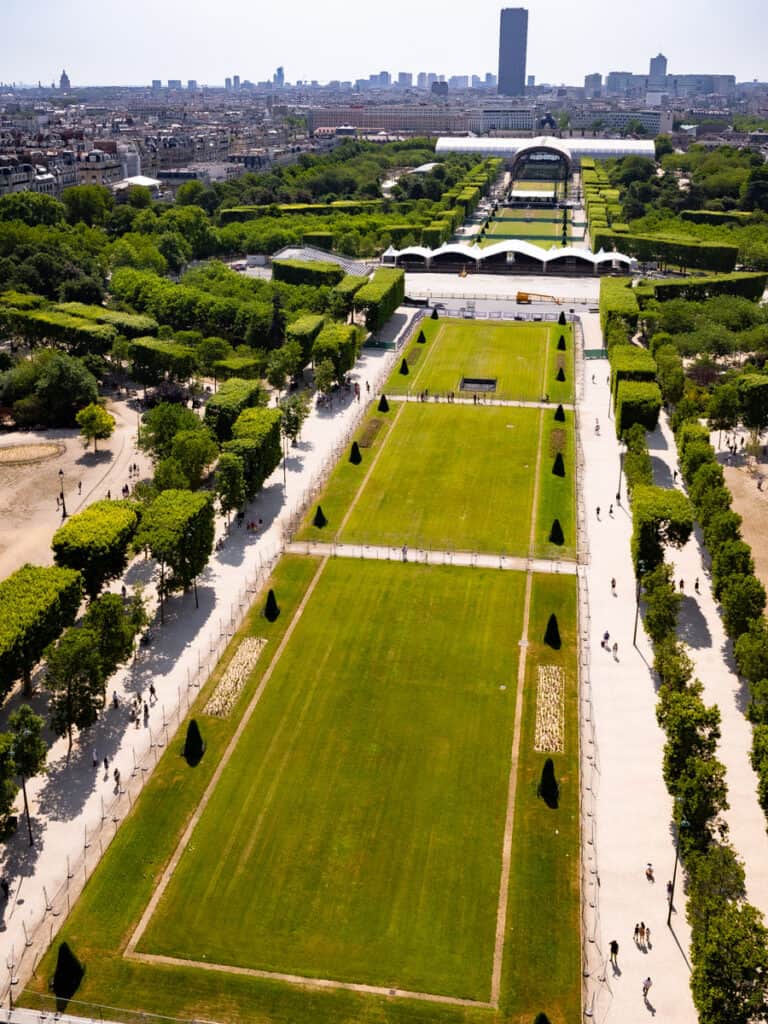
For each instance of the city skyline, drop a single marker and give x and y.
(165, 43)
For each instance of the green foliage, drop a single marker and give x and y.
(723, 408)
(671, 663)
(130, 325)
(307, 272)
(638, 468)
(194, 451)
(689, 253)
(8, 786)
(670, 375)
(753, 400)
(742, 599)
(48, 389)
(154, 360)
(631, 363)
(95, 423)
(325, 376)
(380, 297)
(36, 604)
(660, 517)
(617, 302)
(230, 482)
(692, 730)
(256, 439)
(95, 542)
(696, 289)
(340, 344)
(115, 625)
(305, 329)
(271, 608)
(76, 678)
(662, 603)
(751, 650)
(160, 425)
(87, 204)
(637, 402)
(194, 746)
(233, 396)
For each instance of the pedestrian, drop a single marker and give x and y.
(597, 427)
(674, 477)
(649, 872)
(106, 764)
(598, 511)
(642, 933)
(116, 776)
(647, 935)
(146, 711)
(606, 638)
(115, 700)
(593, 378)
(613, 586)
(610, 510)
(367, 387)
(682, 586)
(79, 486)
(95, 759)
(636, 935)
(124, 591)
(6, 889)
(646, 987)
(152, 693)
(405, 552)
(696, 585)
(614, 952)
(615, 652)
(109, 495)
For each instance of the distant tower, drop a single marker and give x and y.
(64, 83)
(279, 78)
(513, 44)
(657, 71)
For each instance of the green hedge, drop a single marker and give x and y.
(637, 402)
(320, 239)
(306, 328)
(95, 542)
(153, 359)
(223, 408)
(628, 362)
(617, 301)
(696, 289)
(683, 253)
(340, 343)
(80, 336)
(381, 297)
(245, 367)
(306, 272)
(256, 439)
(132, 325)
(659, 516)
(716, 217)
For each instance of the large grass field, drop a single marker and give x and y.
(523, 358)
(370, 787)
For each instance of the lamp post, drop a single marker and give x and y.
(61, 495)
(638, 591)
(622, 449)
(680, 825)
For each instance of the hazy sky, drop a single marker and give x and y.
(133, 41)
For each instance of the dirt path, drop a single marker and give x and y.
(752, 506)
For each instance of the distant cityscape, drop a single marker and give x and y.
(172, 130)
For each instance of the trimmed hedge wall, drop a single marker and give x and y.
(223, 408)
(637, 402)
(696, 289)
(381, 297)
(304, 330)
(628, 362)
(689, 253)
(617, 302)
(306, 272)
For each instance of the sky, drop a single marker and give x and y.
(132, 42)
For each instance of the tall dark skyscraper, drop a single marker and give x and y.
(513, 43)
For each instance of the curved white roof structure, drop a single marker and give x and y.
(575, 149)
(518, 247)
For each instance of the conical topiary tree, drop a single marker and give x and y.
(561, 344)
(561, 319)
(548, 790)
(556, 535)
(558, 468)
(67, 976)
(541, 1018)
(319, 521)
(435, 315)
(560, 374)
(383, 404)
(552, 633)
(194, 746)
(560, 414)
(422, 338)
(354, 455)
(271, 608)
(404, 367)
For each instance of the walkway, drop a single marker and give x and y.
(626, 811)
(75, 807)
(470, 559)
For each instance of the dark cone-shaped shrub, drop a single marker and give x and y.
(549, 791)
(561, 344)
(319, 521)
(271, 608)
(558, 469)
(383, 404)
(354, 456)
(560, 414)
(552, 633)
(561, 319)
(541, 1018)
(194, 747)
(435, 315)
(560, 374)
(404, 367)
(556, 535)
(67, 976)
(422, 338)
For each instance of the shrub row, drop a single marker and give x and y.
(682, 253)
(308, 272)
(223, 408)
(380, 297)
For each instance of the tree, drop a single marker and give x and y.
(95, 423)
(723, 408)
(230, 483)
(730, 969)
(752, 651)
(271, 608)
(95, 542)
(662, 603)
(194, 746)
(325, 376)
(742, 599)
(295, 410)
(692, 729)
(87, 204)
(753, 401)
(76, 680)
(115, 626)
(29, 750)
(177, 528)
(8, 787)
(703, 794)
(211, 350)
(194, 450)
(64, 387)
(160, 425)
(663, 144)
(732, 558)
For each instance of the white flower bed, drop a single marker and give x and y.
(550, 710)
(234, 679)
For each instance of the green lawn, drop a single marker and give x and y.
(557, 494)
(521, 356)
(450, 477)
(370, 791)
(542, 946)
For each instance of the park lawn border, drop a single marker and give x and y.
(557, 495)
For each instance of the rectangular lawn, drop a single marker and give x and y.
(451, 477)
(356, 833)
(521, 357)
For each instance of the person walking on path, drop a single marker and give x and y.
(5, 887)
(669, 891)
(646, 988)
(682, 586)
(106, 765)
(615, 652)
(642, 933)
(696, 585)
(613, 586)
(598, 511)
(95, 758)
(614, 952)
(648, 936)
(636, 935)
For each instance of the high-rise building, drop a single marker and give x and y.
(157, 84)
(279, 78)
(192, 85)
(657, 71)
(236, 82)
(593, 85)
(385, 79)
(174, 83)
(228, 84)
(513, 44)
(531, 83)
(490, 79)
(421, 80)
(64, 83)
(404, 79)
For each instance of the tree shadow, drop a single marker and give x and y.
(741, 693)
(692, 625)
(662, 475)
(91, 458)
(656, 441)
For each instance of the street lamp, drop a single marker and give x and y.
(638, 591)
(680, 825)
(622, 449)
(61, 495)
